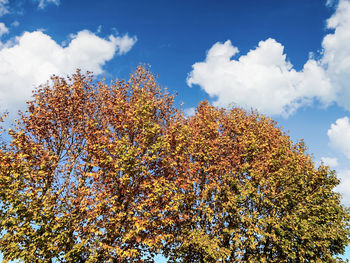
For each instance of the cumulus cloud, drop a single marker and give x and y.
(4, 8)
(262, 79)
(124, 43)
(330, 161)
(344, 186)
(44, 3)
(265, 80)
(336, 53)
(339, 136)
(3, 29)
(339, 139)
(35, 56)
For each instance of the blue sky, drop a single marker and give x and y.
(289, 59)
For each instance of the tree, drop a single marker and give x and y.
(115, 173)
(83, 179)
(256, 196)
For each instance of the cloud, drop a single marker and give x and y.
(35, 56)
(44, 3)
(332, 162)
(262, 79)
(4, 9)
(3, 29)
(336, 53)
(265, 80)
(344, 186)
(339, 139)
(124, 43)
(339, 136)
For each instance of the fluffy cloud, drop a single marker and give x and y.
(339, 136)
(124, 44)
(344, 186)
(44, 3)
(336, 53)
(35, 56)
(4, 9)
(330, 161)
(3, 29)
(262, 79)
(265, 80)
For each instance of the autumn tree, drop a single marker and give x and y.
(255, 196)
(115, 173)
(84, 177)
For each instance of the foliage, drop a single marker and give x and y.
(115, 173)
(256, 197)
(83, 179)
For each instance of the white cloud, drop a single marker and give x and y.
(330, 161)
(339, 136)
(336, 53)
(264, 79)
(4, 9)
(3, 29)
(44, 3)
(124, 43)
(35, 56)
(344, 186)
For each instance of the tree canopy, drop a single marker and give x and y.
(100, 172)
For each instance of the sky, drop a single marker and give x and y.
(288, 59)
